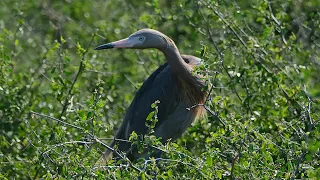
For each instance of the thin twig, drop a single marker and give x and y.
(14, 50)
(277, 22)
(142, 62)
(93, 137)
(260, 59)
(64, 143)
(306, 138)
(55, 119)
(66, 102)
(213, 114)
(181, 162)
(234, 160)
(220, 54)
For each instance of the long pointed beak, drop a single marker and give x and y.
(123, 43)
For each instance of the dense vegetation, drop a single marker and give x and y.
(60, 99)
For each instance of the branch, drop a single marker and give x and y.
(306, 138)
(234, 160)
(278, 23)
(181, 162)
(58, 120)
(260, 59)
(220, 54)
(64, 143)
(206, 107)
(91, 135)
(66, 102)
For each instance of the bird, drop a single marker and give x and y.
(179, 91)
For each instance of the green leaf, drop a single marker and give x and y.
(209, 161)
(170, 173)
(150, 116)
(101, 103)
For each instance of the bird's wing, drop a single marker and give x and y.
(176, 123)
(162, 86)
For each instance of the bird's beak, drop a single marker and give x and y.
(123, 43)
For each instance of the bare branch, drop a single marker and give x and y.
(278, 23)
(66, 102)
(64, 143)
(92, 136)
(58, 120)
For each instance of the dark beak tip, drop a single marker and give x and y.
(104, 46)
(97, 48)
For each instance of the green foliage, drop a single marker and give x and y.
(152, 118)
(59, 98)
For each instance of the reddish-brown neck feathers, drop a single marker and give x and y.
(190, 87)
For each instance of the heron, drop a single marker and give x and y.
(173, 84)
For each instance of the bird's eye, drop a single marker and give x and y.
(141, 38)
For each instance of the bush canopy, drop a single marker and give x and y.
(61, 102)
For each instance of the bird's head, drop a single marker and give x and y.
(142, 39)
(192, 60)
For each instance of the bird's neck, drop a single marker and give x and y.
(178, 66)
(190, 87)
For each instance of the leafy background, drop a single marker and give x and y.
(262, 58)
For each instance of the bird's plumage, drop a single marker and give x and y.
(169, 85)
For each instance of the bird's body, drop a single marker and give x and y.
(172, 108)
(176, 89)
